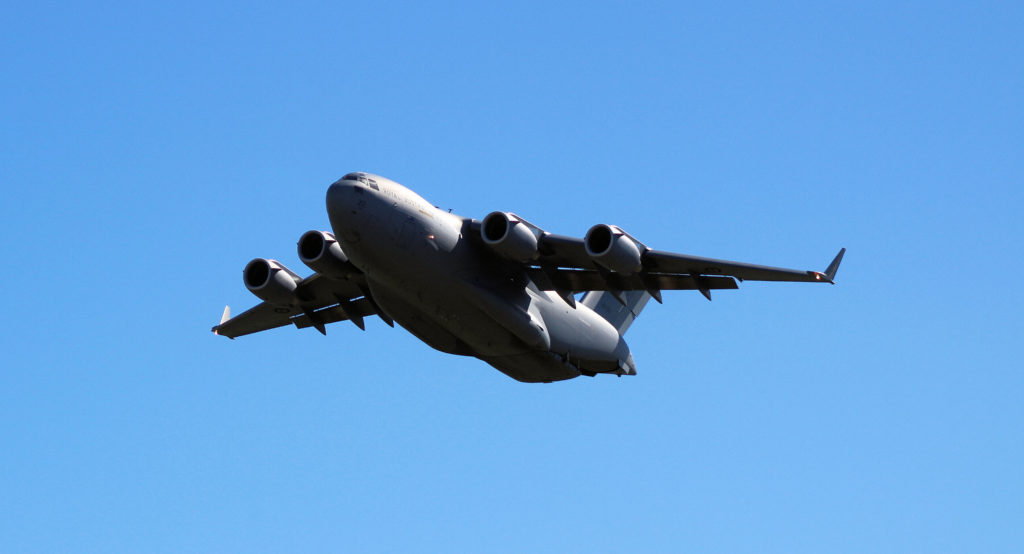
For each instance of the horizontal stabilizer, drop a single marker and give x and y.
(620, 310)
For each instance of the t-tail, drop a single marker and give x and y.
(621, 312)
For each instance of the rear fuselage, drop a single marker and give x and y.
(434, 277)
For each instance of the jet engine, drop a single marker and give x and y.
(612, 248)
(510, 236)
(321, 252)
(271, 281)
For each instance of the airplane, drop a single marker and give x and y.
(500, 289)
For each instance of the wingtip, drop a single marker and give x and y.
(830, 272)
(224, 317)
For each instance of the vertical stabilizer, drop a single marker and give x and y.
(620, 314)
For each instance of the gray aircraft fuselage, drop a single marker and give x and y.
(460, 297)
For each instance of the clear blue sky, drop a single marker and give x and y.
(149, 152)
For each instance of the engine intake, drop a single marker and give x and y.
(611, 247)
(510, 236)
(321, 252)
(271, 281)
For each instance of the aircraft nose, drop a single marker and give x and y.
(342, 209)
(339, 196)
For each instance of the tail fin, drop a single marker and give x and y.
(620, 314)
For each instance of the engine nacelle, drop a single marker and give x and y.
(271, 281)
(510, 236)
(612, 248)
(321, 252)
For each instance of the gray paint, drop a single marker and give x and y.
(620, 313)
(433, 274)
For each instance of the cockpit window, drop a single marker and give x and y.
(362, 178)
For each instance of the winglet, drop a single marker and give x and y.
(224, 317)
(830, 272)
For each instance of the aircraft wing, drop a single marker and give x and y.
(321, 300)
(580, 280)
(694, 265)
(568, 252)
(563, 265)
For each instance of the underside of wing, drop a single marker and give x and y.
(580, 280)
(319, 300)
(609, 259)
(562, 251)
(260, 317)
(566, 252)
(669, 262)
(353, 310)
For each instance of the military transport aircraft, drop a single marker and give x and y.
(502, 289)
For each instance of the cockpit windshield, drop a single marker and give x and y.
(362, 178)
